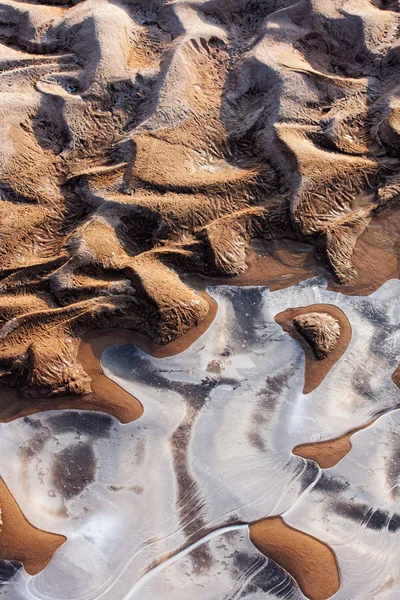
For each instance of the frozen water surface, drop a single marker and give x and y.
(158, 508)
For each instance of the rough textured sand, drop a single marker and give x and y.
(147, 135)
(152, 147)
(315, 370)
(106, 396)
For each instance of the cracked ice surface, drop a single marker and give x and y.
(213, 449)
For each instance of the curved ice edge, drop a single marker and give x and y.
(173, 559)
(258, 562)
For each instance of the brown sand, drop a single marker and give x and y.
(327, 454)
(101, 218)
(161, 153)
(316, 370)
(21, 541)
(280, 263)
(106, 396)
(396, 376)
(312, 563)
(309, 561)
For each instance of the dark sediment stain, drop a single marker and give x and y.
(94, 424)
(73, 469)
(8, 570)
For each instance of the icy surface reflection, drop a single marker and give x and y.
(213, 450)
(355, 508)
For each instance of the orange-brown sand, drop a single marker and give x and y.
(316, 370)
(106, 396)
(20, 541)
(327, 454)
(280, 263)
(238, 176)
(309, 561)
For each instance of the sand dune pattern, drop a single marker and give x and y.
(146, 139)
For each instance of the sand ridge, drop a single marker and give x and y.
(250, 141)
(316, 371)
(153, 139)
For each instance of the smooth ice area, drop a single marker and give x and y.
(161, 505)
